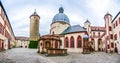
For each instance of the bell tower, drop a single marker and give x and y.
(108, 33)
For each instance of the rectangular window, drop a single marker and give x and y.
(116, 24)
(119, 34)
(111, 36)
(115, 36)
(110, 29)
(119, 20)
(112, 45)
(0, 30)
(108, 47)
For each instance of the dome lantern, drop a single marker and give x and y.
(61, 10)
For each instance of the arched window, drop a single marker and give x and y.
(56, 44)
(72, 42)
(79, 42)
(53, 33)
(66, 42)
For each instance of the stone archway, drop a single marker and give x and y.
(100, 45)
(86, 45)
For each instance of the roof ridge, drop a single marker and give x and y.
(116, 16)
(77, 25)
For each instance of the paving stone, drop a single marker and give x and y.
(24, 55)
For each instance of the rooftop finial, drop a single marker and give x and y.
(107, 12)
(87, 21)
(35, 10)
(61, 10)
(60, 5)
(35, 14)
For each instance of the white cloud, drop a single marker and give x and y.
(98, 9)
(98, 5)
(20, 18)
(76, 19)
(78, 11)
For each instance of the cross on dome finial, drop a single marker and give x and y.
(35, 10)
(61, 10)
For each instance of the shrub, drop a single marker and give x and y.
(33, 44)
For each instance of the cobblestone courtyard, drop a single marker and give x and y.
(22, 55)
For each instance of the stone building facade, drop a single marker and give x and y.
(116, 32)
(101, 38)
(6, 33)
(69, 37)
(21, 42)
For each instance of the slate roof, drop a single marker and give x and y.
(35, 14)
(22, 38)
(87, 21)
(75, 28)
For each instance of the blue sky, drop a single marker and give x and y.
(78, 11)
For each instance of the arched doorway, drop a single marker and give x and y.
(100, 45)
(93, 44)
(116, 49)
(48, 44)
(86, 44)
